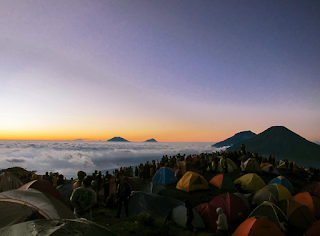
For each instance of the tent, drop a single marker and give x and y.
(66, 191)
(258, 226)
(244, 198)
(9, 181)
(156, 189)
(185, 166)
(208, 214)
(223, 182)
(65, 227)
(232, 205)
(298, 215)
(155, 205)
(267, 168)
(250, 182)
(135, 184)
(271, 211)
(44, 186)
(312, 202)
(283, 181)
(312, 188)
(192, 181)
(164, 176)
(272, 193)
(313, 230)
(231, 166)
(178, 215)
(251, 165)
(18, 205)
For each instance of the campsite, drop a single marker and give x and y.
(278, 201)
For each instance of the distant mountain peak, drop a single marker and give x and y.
(118, 139)
(151, 140)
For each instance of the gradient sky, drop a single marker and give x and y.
(169, 70)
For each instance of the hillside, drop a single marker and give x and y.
(239, 137)
(283, 143)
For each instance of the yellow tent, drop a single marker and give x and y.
(192, 181)
(231, 166)
(250, 182)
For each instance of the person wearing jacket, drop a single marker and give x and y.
(222, 223)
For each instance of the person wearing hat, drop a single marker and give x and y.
(83, 199)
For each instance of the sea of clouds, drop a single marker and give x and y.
(68, 157)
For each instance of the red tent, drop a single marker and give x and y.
(44, 186)
(208, 214)
(232, 205)
(313, 230)
(313, 189)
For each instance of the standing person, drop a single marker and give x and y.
(222, 165)
(222, 223)
(189, 214)
(83, 199)
(123, 195)
(106, 186)
(81, 174)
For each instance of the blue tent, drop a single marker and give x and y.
(164, 176)
(283, 181)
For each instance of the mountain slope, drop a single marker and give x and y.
(238, 137)
(282, 143)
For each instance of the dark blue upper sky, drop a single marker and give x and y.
(204, 70)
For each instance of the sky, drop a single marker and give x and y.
(176, 71)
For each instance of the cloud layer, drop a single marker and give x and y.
(68, 158)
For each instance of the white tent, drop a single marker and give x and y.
(18, 205)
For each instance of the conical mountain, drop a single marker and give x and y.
(238, 137)
(283, 144)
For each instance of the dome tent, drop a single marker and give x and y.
(250, 182)
(18, 205)
(258, 226)
(164, 176)
(192, 181)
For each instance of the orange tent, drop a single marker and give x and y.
(298, 215)
(223, 182)
(312, 202)
(264, 164)
(255, 226)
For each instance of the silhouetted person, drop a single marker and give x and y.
(123, 195)
(189, 214)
